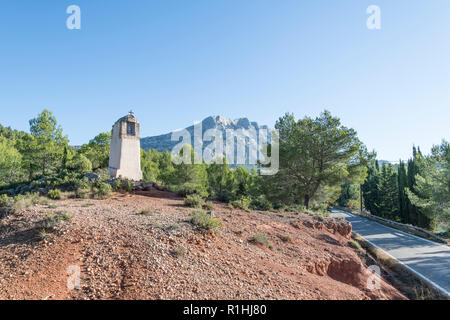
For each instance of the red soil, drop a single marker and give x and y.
(127, 255)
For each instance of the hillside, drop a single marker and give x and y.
(143, 246)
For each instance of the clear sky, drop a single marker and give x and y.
(175, 62)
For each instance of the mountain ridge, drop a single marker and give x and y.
(163, 142)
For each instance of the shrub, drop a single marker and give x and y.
(277, 205)
(6, 201)
(208, 205)
(178, 252)
(297, 208)
(43, 234)
(204, 221)
(127, 186)
(353, 204)
(122, 185)
(64, 216)
(54, 194)
(145, 212)
(242, 203)
(102, 190)
(22, 202)
(284, 237)
(261, 239)
(355, 244)
(261, 203)
(190, 188)
(6, 204)
(82, 189)
(117, 185)
(194, 201)
(80, 164)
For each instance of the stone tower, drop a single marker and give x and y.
(125, 151)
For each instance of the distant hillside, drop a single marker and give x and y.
(164, 142)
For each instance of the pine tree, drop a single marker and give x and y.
(43, 151)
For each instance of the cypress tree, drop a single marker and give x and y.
(370, 189)
(388, 191)
(411, 180)
(402, 198)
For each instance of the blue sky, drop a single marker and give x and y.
(174, 62)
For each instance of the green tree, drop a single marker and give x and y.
(150, 165)
(348, 192)
(166, 168)
(371, 191)
(190, 178)
(316, 155)
(243, 181)
(80, 164)
(221, 181)
(431, 190)
(388, 206)
(415, 167)
(43, 151)
(402, 197)
(10, 162)
(97, 150)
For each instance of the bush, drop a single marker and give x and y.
(190, 189)
(82, 189)
(117, 185)
(80, 164)
(204, 221)
(284, 237)
(178, 252)
(208, 205)
(122, 185)
(127, 185)
(261, 203)
(298, 208)
(242, 203)
(54, 194)
(355, 244)
(145, 212)
(22, 202)
(6, 204)
(353, 204)
(34, 198)
(194, 201)
(101, 190)
(277, 205)
(261, 239)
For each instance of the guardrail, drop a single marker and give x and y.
(417, 231)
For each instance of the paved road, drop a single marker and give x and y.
(430, 259)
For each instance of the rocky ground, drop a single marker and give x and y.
(124, 254)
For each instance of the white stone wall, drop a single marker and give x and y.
(125, 152)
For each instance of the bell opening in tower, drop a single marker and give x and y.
(131, 129)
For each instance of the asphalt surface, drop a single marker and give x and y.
(429, 259)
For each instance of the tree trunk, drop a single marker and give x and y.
(307, 201)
